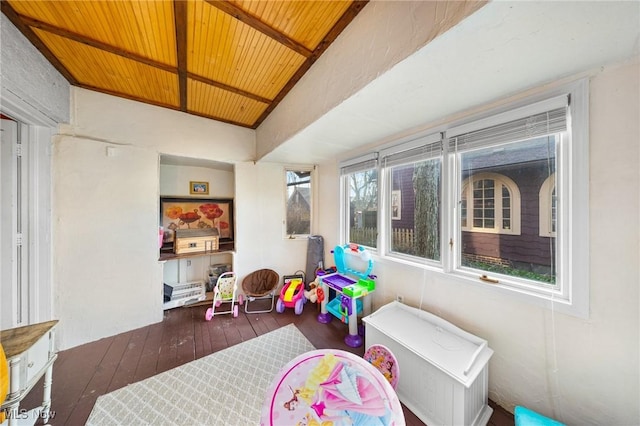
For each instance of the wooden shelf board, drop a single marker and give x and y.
(170, 255)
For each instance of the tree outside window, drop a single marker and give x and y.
(363, 207)
(299, 202)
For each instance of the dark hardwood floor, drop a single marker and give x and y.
(83, 373)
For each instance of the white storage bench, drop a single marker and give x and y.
(444, 371)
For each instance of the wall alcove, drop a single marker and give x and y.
(177, 175)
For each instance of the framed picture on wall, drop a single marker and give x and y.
(196, 213)
(199, 188)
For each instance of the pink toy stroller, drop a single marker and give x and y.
(225, 291)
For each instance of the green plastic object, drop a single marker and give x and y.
(361, 288)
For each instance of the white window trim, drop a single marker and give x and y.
(572, 215)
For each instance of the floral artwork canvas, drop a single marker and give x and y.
(196, 213)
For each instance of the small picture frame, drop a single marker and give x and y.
(198, 188)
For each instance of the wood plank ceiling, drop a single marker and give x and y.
(231, 61)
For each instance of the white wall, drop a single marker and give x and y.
(28, 79)
(120, 121)
(174, 181)
(105, 246)
(477, 61)
(105, 215)
(124, 266)
(260, 204)
(578, 371)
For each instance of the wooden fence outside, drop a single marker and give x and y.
(403, 239)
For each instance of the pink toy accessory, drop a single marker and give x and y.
(385, 362)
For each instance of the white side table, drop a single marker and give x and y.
(30, 354)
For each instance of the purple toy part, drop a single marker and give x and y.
(324, 318)
(338, 281)
(345, 303)
(353, 340)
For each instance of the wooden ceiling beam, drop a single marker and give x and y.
(126, 96)
(28, 26)
(93, 43)
(18, 21)
(257, 24)
(181, 53)
(180, 16)
(333, 33)
(228, 88)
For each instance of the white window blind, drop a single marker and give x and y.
(540, 119)
(412, 151)
(359, 164)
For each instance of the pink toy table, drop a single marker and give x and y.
(330, 385)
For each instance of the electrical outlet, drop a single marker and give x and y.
(400, 298)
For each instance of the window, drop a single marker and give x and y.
(494, 202)
(499, 200)
(360, 192)
(499, 228)
(298, 202)
(414, 173)
(504, 166)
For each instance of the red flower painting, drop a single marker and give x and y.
(211, 211)
(183, 213)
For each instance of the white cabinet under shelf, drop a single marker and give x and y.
(185, 276)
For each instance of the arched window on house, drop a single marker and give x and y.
(548, 207)
(490, 203)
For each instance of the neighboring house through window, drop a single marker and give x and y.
(490, 203)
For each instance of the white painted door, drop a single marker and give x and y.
(14, 294)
